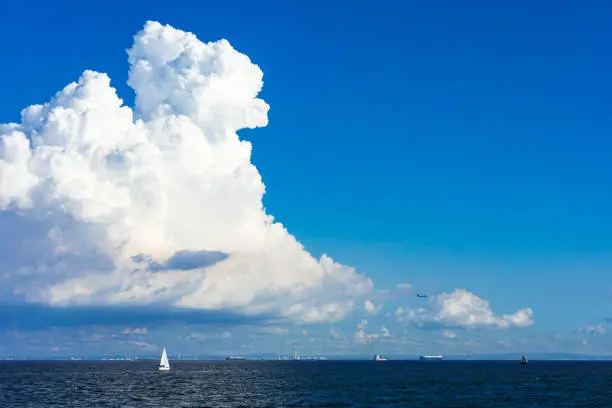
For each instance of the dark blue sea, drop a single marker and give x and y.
(305, 384)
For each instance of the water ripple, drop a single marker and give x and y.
(304, 384)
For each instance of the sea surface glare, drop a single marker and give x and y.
(441, 384)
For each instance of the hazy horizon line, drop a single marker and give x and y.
(535, 356)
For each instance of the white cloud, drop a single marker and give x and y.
(143, 345)
(138, 330)
(596, 330)
(361, 337)
(371, 308)
(198, 336)
(403, 287)
(119, 191)
(271, 330)
(398, 292)
(462, 309)
(95, 337)
(226, 335)
(448, 334)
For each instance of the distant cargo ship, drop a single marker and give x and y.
(234, 358)
(379, 357)
(437, 357)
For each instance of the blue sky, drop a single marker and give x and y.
(455, 146)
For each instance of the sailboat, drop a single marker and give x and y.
(164, 365)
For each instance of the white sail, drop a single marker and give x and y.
(164, 365)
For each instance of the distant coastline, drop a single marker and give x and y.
(266, 357)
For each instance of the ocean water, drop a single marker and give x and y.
(441, 384)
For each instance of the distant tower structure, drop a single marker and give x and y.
(524, 361)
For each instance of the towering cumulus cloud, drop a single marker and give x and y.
(160, 204)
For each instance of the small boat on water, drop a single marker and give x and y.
(379, 357)
(436, 357)
(164, 364)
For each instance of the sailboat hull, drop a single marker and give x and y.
(164, 368)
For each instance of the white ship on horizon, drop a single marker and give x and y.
(235, 358)
(432, 357)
